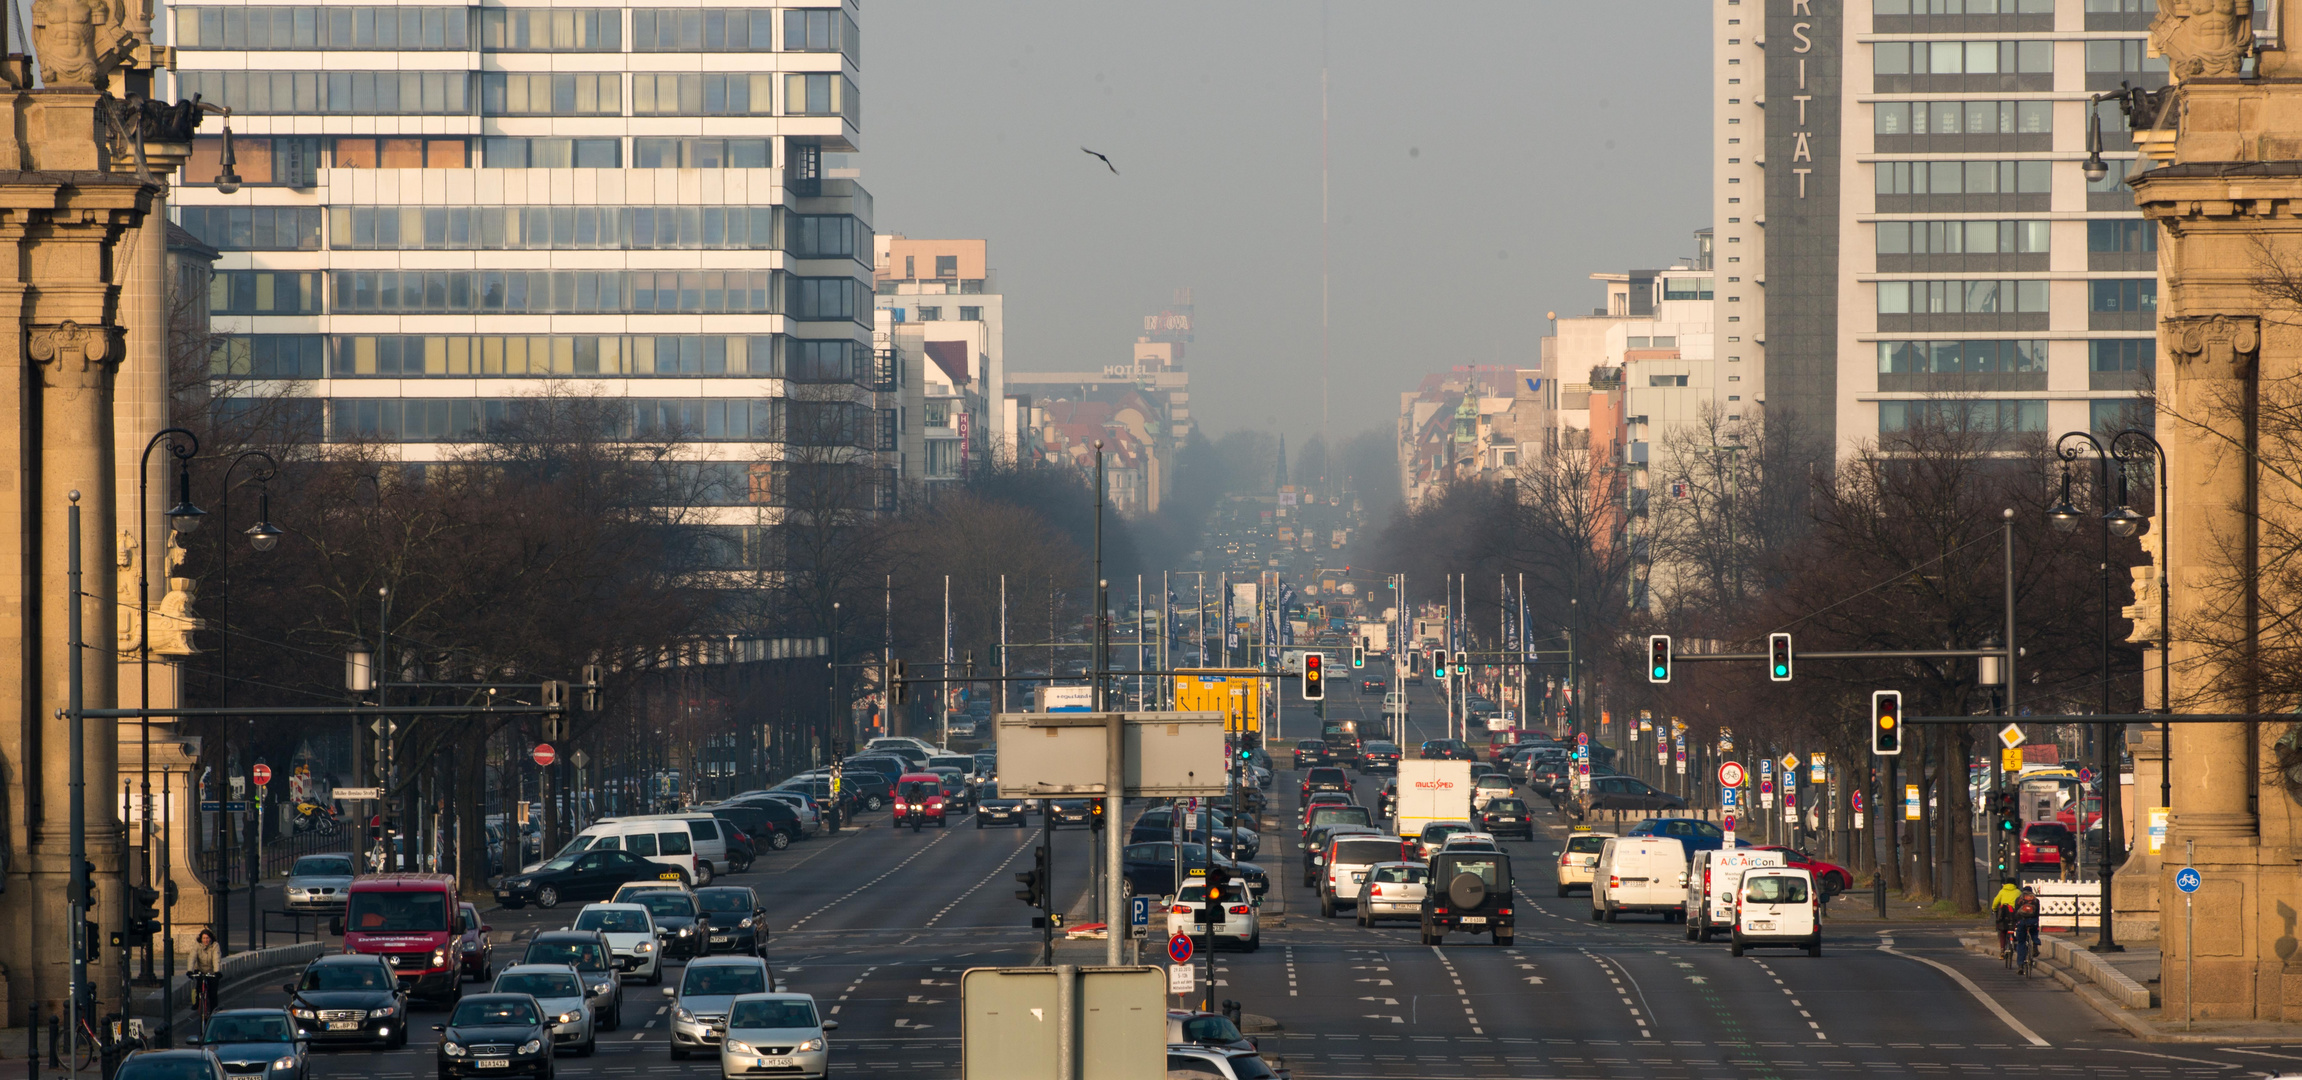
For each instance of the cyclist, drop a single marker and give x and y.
(2002, 913)
(207, 959)
(2026, 927)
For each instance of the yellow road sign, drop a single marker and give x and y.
(1237, 693)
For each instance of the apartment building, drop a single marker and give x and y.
(1906, 234)
(443, 210)
(943, 293)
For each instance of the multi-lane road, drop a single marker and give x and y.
(878, 924)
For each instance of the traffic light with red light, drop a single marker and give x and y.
(1314, 677)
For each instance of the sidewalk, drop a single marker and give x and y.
(2123, 987)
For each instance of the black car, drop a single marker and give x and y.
(349, 998)
(997, 811)
(770, 824)
(734, 919)
(494, 1034)
(1506, 817)
(254, 1040)
(1371, 685)
(1158, 823)
(1447, 750)
(1625, 793)
(873, 790)
(1387, 800)
(1309, 752)
(1379, 758)
(1549, 775)
(889, 766)
(171, 1065)
(1327, 778)
(679, 929)
(589, 875)
(1149, 869)
(1468, 891)
(1061, 812)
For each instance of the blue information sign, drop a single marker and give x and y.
(1138, 911)
(2187, 879)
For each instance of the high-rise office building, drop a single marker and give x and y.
(443, 208)
(1905, 231)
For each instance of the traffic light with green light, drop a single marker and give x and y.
(1658, 658)
(1778, 657)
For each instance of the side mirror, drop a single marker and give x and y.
(670, 991)
(831, 1025)
(486, 929)
(289, 988)
(192, 1041)
(439, 1027)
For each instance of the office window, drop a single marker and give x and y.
(703, 30)
(1987, 417)
(837, 361)
(2123, 294)
(821, 31)
(263, 161)
(464, 355)
(819, 95)
(1966, 7)
(827, 298)
(2129, 56)
(551, 291)
(930, 313)
(1686, 288)
(510, 94)
(1962, 237)
(1963, 118)
(673, 153)
(1961, 297)
(2122, 354)
(364, 152)
(254, 228)
(552, 29)
(1965, 177)
(700, 95)
(970, 314)
(1969, 357)
(333, 93)
(267, 356)
(2124, 236)
(510, 153)
(823, 236)
(1964, 57)
(264, 292)
(395, 28)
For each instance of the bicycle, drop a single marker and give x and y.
(203, 995)
(2025, 948)
(2006, 945)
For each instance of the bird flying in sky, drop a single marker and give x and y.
(1106, 161)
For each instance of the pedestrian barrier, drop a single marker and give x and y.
(2068, 905)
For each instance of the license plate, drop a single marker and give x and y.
(1757, 925)
(1469, 920)
(721, 939)
(671, 875)
(775, 1063)
(493, 1063)
(1358, 877)
(343, 1025)
(1507, 819)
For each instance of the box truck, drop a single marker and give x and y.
(1432, 791)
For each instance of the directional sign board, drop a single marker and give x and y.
(2187, 879)
(2010, 736)
(212, 806)
(1730, 774)
(356, 793)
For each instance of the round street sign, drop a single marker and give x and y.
(543, 754)
(2187, 879)
(263, 775)
(1730, 774)
(2086, 776)
(1179, 948)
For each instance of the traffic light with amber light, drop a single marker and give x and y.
(1095, 814)
(1211, 910)
(1778, 657)
(1034, 880)
(1886, 722)
(1314, 677)
(1658, 658)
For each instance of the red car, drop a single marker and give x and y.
(1830, 879)
(919, 801)
(2042, 844)
(2068, 815)
(477, 954)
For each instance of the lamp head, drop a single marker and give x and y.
(2123, 522)
(228, 179)
(2095, 168)
(184, 517)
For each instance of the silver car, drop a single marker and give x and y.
(775, 1034)
(564, 998)
(320, 883)
(705, 992)
(1394, 890)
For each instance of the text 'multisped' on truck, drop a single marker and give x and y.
(1432, 791)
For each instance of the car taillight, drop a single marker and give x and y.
(1506, 911)
(1240, 909)
(1614, 882)
(1438, 911)
(1374, 890)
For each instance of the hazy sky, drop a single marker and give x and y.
(1486, 157)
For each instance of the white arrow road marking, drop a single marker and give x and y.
(1384, 1000)
(917, 1000)
(1379, 1016)
(1378, 982)
(1534, 980)
(909, 1026)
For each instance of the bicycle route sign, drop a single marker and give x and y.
(2187, 879)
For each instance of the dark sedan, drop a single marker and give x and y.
(1327, 778)
(590, 875)
(495, 1034)
(171, 1065)
(999, 811)
(1625, 793)
(1158, 823)
(734, 918)
(1506, 817)
(678, 927)
(349, 998)
(1063, 812)
(1309, 752)
(1150, 868)
(1447, 750)
(1372, 685)
(1379, 758)
(263, 1042)
(770, 823)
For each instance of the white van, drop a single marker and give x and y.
(690, 842)
(1711, 885)
(1777, 906)
(1640, 873)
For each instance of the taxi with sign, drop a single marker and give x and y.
(1240, 927)
(1579, 860)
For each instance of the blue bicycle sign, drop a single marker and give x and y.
(2187, 879)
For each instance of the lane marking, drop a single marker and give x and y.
(1031, 841)
(1987, 1001)
(923, 849)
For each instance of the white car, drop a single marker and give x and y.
(1484, 841)
(560, 991)
(1241, 910)
(1394, 704)
(1394, 890)
(631, 936)
(1488, 788)
(1579, 860)
(780, 1034)
(810, 818)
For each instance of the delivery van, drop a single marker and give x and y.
(1778, 906)
(1712, 881)
(1431, 791)
(1640, 873)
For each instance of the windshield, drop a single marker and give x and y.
(666, 903)
(614, 921)
(918, 790)
(723, 980)
(1493, 780)
(582, 956)
(250, 1029)
(345, 977)
(1438, 834)
(771, 1014)
(480, 1012)
(724, 900)
(397, 912)
(1495, 872)
(145, 1067)
(1341, 815)
(1585, 845)
(540, 984)
(962, 764)
(1775, 889)
(1209, 1029)
(322, 866)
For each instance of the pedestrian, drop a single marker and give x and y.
(2066, 845)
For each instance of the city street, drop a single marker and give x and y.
(879, 924)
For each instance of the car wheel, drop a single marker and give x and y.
(978, 822)
(678, 1054)
(590, 1046)
(655, 978)
(1255, 942)
(1690, 930)
(1734, 947)
(779, 840)
(1610, 914)
(703, 873)
(874, 803)
(547, 897)
(1326, 906)
(1503, 939)
(1814, 948)
(1562, 890)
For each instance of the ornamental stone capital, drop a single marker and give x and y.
(2213, 346)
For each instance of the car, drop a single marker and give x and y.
(1624, 793)
(735, 918)
(1158, 823)
(495, 1034)
(1777, 906)
(965, 763)
(630, 933)
(1640, 873)
(837, 809)
(318, 883)
(888, 767)
(873, 789)
(1372, 685)
(1469, 891)
(909, 749)
(1830, 879)
(679, 929)
(1446, 750)
(1319, 799)
(706, 993)
(588, 875)
(1061, 812)
(2041, 846)
(1310, 752)
(998, 811)
(1550, 776)
(565, 1000)
(1205, 1029)
(1345, 863)
(1434, 836)
(1395, 704)
(1489, 786)
(262, 1042)
(1579, 858)
(197, 1064)
(411, 921)
(919, 801)
(588, 952)
(1714, 881)
(1470, 841)
(349, 998)
(1239, 928)
(1149, 869)
(472, 945)
(1394, 890)
(1325, 778)
(802, 806)
(958, 795)
(1379, 758)
(1506, 816)
(1387, 799)
(775, 1034)
(1414, 677)
(1315, 845)
(770, 823)
(1693, 834)
(1524, 764)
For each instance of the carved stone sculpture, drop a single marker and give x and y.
(2214, 346)
(2144, 610)
(78, 41)
(173, 623)
(2203, 38)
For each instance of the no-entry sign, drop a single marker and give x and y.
(543, 754)
(263, 775)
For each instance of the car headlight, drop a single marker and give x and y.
(736, 1047)
(599, 988)
(452, 1049)
(745, 924)
(300, 1014)
(811, 1044)
(683, 1014)
(569, 1017)
(295, 890)
(531, 1046)
(439, 956)
(379, 1014)
(285, 1063)
(519, 883)
(686, 930)
(643, 947)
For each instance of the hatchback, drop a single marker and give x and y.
(1326, 778)
(1309, 752)
(1394, 891)
(776, 1035)
(706, 994)
(259, 1041)
(1506, 816)
(560, 991)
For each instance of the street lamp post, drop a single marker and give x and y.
(183, 517)
(262, 536)
(2125, 522)
(2065, 516)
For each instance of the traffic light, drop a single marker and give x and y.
(88, 936)
(1778, 657)
(143, 913)
(1439, 663)
(1359, 654)
(1034, 890)
(588, 701)
(1211, 910)
(1658, 658)
(1314, 677)
(1462, 662)
(1095, 814)
(900, 690)
(1885, 722)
